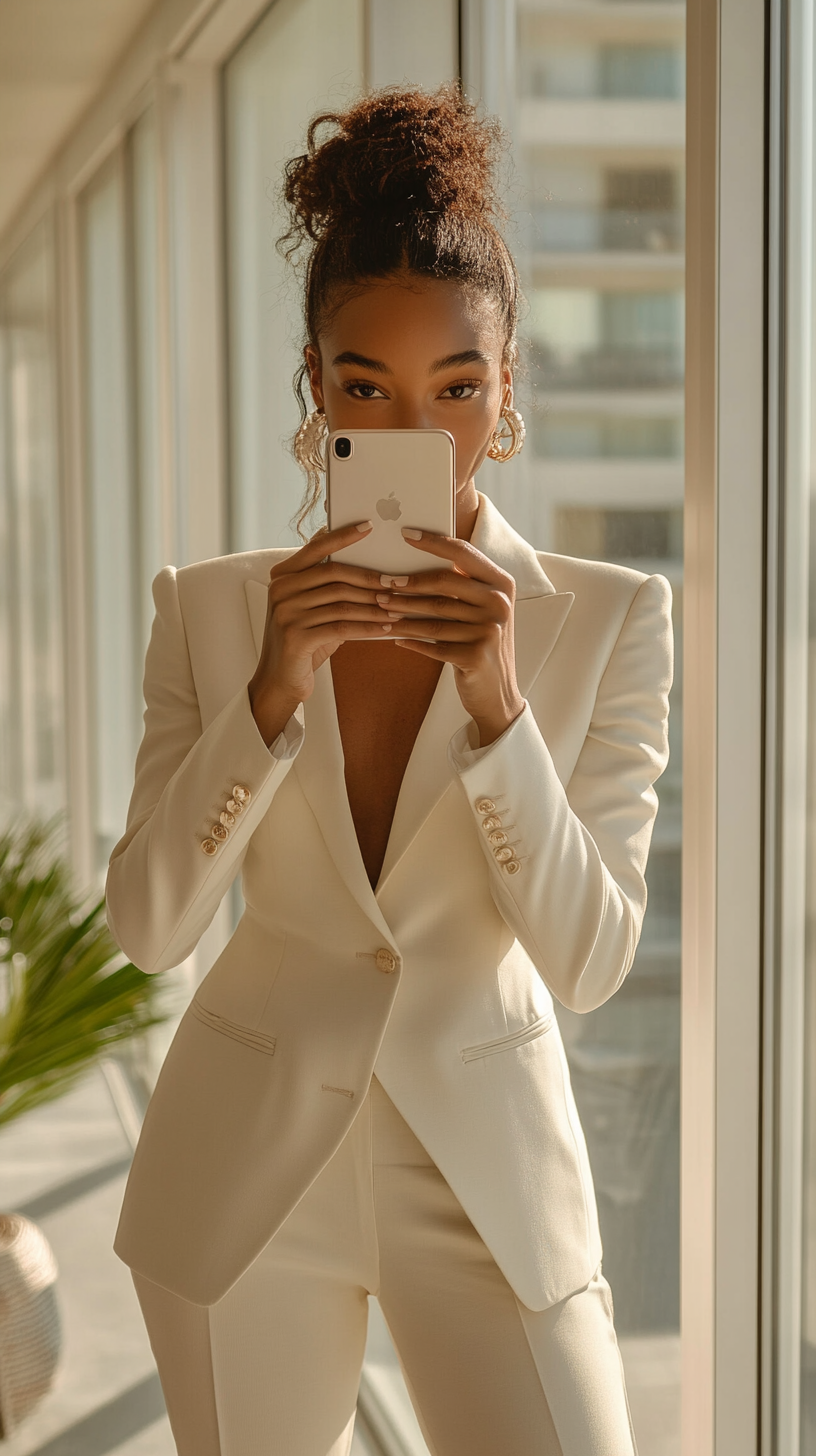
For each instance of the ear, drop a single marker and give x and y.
(507, 387)
(315, 367)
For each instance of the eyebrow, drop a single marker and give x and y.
(362, 361)
(450, 361)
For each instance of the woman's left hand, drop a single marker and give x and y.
(467, 611)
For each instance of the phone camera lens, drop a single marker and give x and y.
(342, 447)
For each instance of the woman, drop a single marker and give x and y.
(368, 1093)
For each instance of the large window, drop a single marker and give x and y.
(118, 231)
(32, 724)
(598, 197)
(304, 56)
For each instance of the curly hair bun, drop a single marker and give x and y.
(394, 153)
(401, 182)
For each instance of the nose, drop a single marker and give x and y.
(410, 415)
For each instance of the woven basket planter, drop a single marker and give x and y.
(30, 1334)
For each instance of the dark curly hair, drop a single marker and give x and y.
(403, 181)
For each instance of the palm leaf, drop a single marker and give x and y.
(66, 994)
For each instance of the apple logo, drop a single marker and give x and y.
(388, 508)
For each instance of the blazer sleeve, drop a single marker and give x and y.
(162, 887)
(577, 899)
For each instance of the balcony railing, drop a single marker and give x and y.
(609, 367)
(581, 229)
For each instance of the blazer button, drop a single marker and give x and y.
(241, 794)
(233, 807)
(209, 846)
(492, 822)
(386, 961)
(512, 867)
(227, 819)
(504, 855)
(220, 832)
(485, 806)
(497, 837)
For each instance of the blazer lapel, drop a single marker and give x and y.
(538, 622)
(320, 770)
(540, 614)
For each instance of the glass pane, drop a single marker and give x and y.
(800, 325)
(305, 55)
(148, 471)
(122, 439)
(111, 525)
(32, 756)
(598, 232)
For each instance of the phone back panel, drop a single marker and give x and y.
(394, 478)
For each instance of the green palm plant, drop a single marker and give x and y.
(67, 995)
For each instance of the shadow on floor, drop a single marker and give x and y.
(110, 1425)
(73, 1188)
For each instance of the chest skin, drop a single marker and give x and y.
(382, 694)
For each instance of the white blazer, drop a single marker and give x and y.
(442, 981)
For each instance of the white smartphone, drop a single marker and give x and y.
(394, 478)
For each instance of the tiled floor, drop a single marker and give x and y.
(65, 1166)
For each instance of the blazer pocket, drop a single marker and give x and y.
(513, 1039)
(255, 1039)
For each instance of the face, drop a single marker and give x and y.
(415, 354)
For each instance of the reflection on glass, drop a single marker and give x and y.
(599, 160)
(32, 749)
(304, 56)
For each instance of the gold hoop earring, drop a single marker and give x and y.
(513, 430)
(309, 441)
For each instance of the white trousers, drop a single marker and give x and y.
(273, 1368)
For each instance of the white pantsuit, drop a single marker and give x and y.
(274, 1366)
(513, 874)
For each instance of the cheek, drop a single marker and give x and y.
(472, 437)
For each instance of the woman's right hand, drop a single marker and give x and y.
(314, 605)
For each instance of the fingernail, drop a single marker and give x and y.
(398, 616)
(383, 599)
(399, 580)
(411, 533)
(365, 525)
(386, 626)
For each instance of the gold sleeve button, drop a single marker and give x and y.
(504, 855)
(209, 846)
(234, 808)
(485, 806)
(220, 832)
(386, 961)
(512, 867)
(227, 819)
(497, 837)
(241, 794)
(491, 822)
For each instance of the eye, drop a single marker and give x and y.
(362, 389)
(464, 389)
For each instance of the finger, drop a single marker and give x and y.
(443, 582)
(463, 556)
(284, 585)
(340, 612)
(441, 606)
(323, 543)
(451, 652)
(319, 596)
(441, 631)
(330, 634)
